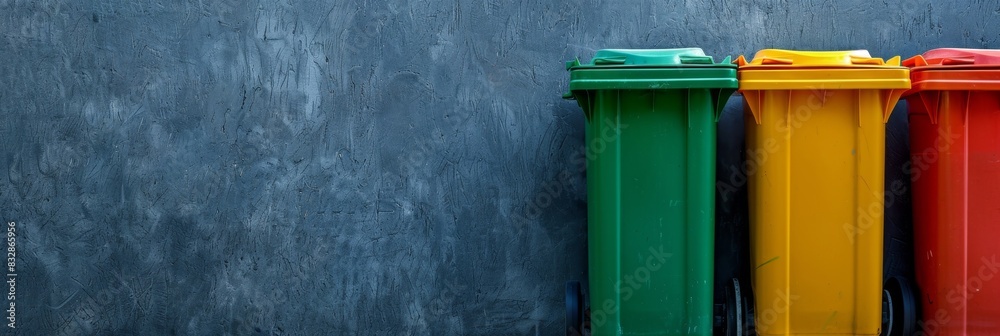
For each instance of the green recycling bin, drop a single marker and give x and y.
(651, 142)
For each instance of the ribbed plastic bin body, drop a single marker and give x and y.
(815, 155)
(651, 137)
(954, 112)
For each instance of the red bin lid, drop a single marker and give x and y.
(955, 56)
(955, 69)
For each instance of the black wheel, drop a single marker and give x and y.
(574, 309)
(900, 299)
(749, 324)
(735, 310)
(888, 321)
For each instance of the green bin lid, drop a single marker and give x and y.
(645, 57)
(638, 69)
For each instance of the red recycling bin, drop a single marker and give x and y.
(954, 112)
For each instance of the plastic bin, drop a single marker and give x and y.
(651, 135)
(815, 155)
(954, 110)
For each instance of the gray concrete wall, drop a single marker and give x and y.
(352, 167)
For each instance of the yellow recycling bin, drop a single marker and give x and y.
(815, 128)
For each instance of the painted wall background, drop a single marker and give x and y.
(355, 167)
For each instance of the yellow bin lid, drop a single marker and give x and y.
(776, 69)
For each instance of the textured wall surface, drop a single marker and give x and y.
(353, 167)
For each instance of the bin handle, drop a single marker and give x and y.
(775, 61)
(958, 61)
(697, 60)
(569, 66)
(609, 60)
(572, 64)
(867, 61)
